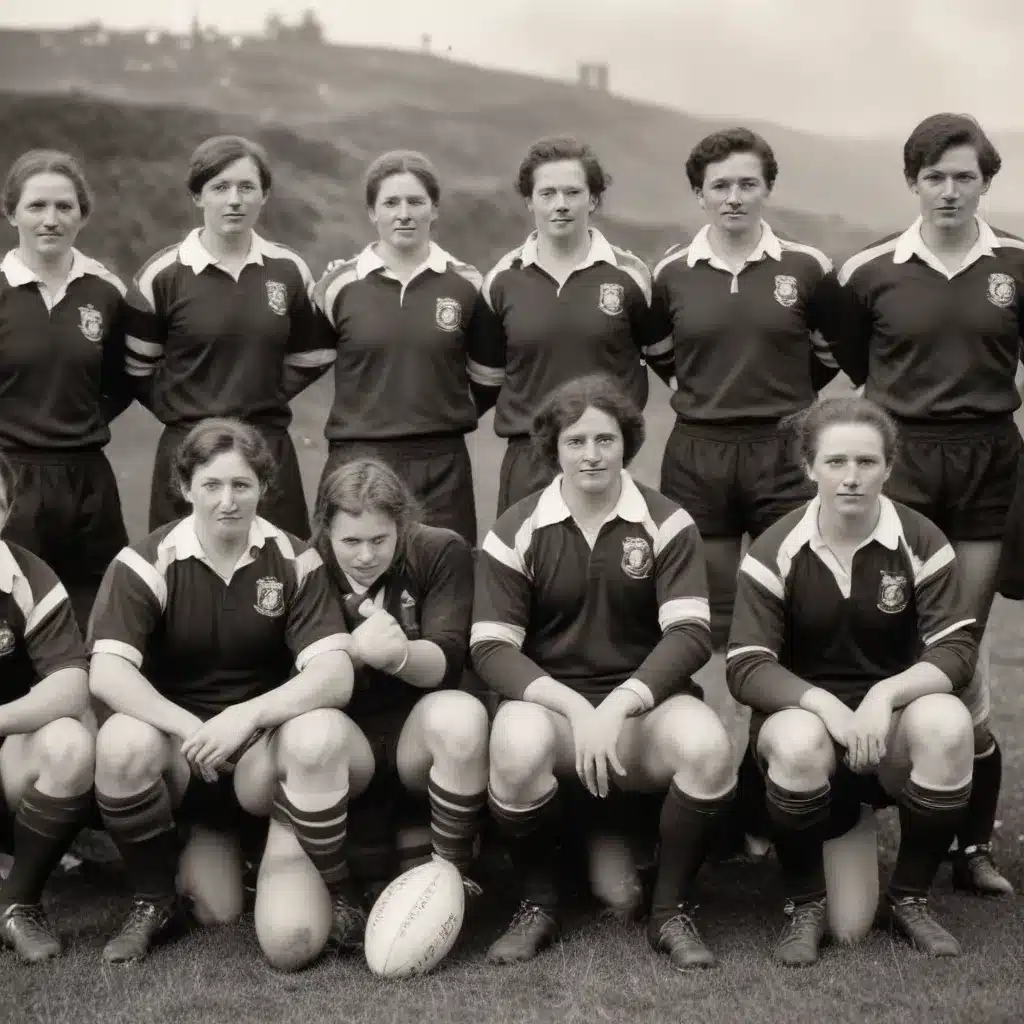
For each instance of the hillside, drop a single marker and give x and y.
(136, 157)
(474, 122)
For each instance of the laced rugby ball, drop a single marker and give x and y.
(415, 920)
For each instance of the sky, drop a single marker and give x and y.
(859, 67)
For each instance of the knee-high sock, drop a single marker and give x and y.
(799, 821)
(532, 834)
(320, 833)
(455, 821)
(979, 821)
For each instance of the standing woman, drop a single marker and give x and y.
(568, 302)
(412, 374)
(62, 380)
(224, 326)
(931, 325)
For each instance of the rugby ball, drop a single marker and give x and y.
(415, 920)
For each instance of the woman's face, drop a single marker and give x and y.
(224, 493)
(950, 190)
(364, 545)
(232, 200)
(734, 193)
(849, 468)
(591, 451)
(561, 202)
(47, 217)
(404, 212)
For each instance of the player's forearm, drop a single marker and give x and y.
(556, 696)
(820, 702)
(917, 681)
(62, 694)
(426, 665)
(325, 682)
(757, 680)
(504, 668)
(124, 689)
(667, 669)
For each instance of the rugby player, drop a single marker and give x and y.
(567, 301)
(194, 638)
(590, 616)
(411, 375)
(930, 323)
(736, 315)
(62, 317)
(46, 753)
(850, 641)
(224, 325)
(406, 590)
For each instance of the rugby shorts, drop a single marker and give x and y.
(523, 472)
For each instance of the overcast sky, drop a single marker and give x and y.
(850, 66)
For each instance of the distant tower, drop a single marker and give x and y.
(593, 76)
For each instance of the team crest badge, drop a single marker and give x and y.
(277, 297)
(448, 315)
(1001, 290)
(90, 322)
(7, 639)
(637, 560)
(893, 593)
(269, 597)
(786, 291)
(611, 299)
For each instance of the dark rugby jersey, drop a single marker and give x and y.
(742, 347)
(214, 346)
(409, 357)
(38, 631)
(428, 590)
(207, 644)
(631, 611)
(61, 368)
(596, 322)
(801, 622)
(929, 345)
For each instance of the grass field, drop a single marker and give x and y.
(602, 971)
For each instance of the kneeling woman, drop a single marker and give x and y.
(591, 616)
(46, 754)
(407, 594)
(850, 641)
(218, 645)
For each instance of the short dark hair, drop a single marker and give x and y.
(45, 161)
(8, 483)
(719, 146)
(562, 147)
(567, 403)
(360, 486)
(935, 134)
(401, 161)
(214, 154)
(808, 425)
(213, 437)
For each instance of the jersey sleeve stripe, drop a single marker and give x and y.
(468, 273)
(306, 564)
(325, 645)
(760, 573)
(751, 649)
(641, 690)
(311, 360)
(486, 376)
(943, 557)
(144, 282)
(122, 650)
(823, 351)
(501, 552)
(670, 529)
(21, 591)
(671, 256)
(504, 263)
(684, 609)
(858, 260)
(42, 608)
(936, 637)
(660, 348)
(823, 261)
(278, 251)
(503, 632)
(284, 545)
(636, 270)
(326, 293)
(98, 270)
(146, 572)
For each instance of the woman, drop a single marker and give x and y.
(224, 326)
(62, 380)
(196, 637)
(412, 376)
(407, 593)
(735, 313)
(930, 323)
(568, 303)
(850, 642)
(46, 753)
(590, 616)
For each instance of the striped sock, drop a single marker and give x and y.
(455, 821)
(321, 834)
(533, 836)
(44, 828)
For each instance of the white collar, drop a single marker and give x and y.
(9, 569)
(910, 243)
(194, 254)
(18, 272)
(700, 248)
(369, 260)
(185, 541)
(551, 507)
(888, 530)
(600, 251)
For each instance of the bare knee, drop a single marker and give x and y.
(314, 741)
(210, 871)
(798, 749)
(522, 745)
(940, 733)
(67, 753)
(129, 752)
(292, 913)
(698, 747)
(455, 726)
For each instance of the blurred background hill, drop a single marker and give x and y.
(134, 104)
